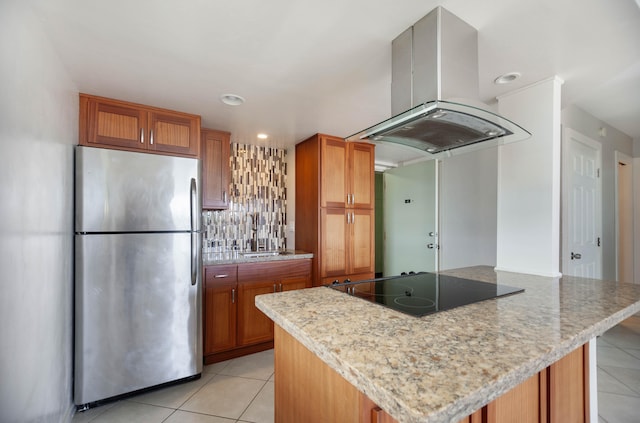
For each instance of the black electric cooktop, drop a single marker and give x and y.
(424, 293)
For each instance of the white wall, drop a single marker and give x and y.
(38, 127)
(529, 183)
(636, 220)
(614, 140)
(468, 207)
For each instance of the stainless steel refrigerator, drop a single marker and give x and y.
(138, 276)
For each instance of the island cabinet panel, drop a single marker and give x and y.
(335, 206)
(569, 387)
(556, 394)
(215, 169)
(302, 378)
(233, 325)
(123, 125)
(525, 403)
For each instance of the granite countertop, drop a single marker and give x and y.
(444, 366)
(235, 257)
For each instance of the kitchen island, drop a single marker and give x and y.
(446, 366)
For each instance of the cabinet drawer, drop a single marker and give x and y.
(274, 270)
(221, 273)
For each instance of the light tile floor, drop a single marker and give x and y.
(238, 390)
(619, 373)
(241, 390)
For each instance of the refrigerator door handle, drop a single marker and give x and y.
(194, 233)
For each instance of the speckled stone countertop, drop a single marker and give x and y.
(444, 366)
(234, 257)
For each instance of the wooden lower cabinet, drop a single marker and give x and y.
(557, 394)
(220, 308)
(253, 326)
(233, 325)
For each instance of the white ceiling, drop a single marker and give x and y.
(325, 66)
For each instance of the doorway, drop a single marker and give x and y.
(410, 218)
(581, 205)
(624, 217)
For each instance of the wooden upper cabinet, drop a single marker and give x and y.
(347, 173)
(174, 133)
(128, 126)
(334, 186)
(362, 180)
(114, 124)
(215, 169)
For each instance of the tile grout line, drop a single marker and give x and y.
(253, 399)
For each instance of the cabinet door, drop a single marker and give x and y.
(361, 242)
(174, 133)
(333, 172)
(215, 169)
(220, 309)
(334, 243)
(253, 325)
(361, 175)
(116, 124)
(290, 284)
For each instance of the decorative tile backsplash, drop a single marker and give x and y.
(256, 218)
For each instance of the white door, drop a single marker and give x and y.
(624, 217)
(410, 219)
(581, 206)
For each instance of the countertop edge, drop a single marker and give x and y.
(213, 259)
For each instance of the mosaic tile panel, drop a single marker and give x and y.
(256, 217)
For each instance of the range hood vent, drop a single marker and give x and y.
(434, 64)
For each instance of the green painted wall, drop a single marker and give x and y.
(379, 216)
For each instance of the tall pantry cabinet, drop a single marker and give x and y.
(335, 207)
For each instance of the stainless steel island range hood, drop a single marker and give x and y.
(434, 65)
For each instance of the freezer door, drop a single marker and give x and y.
(122, 191)
(137, 314)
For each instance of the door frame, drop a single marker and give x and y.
(567, 135)
(627, 160)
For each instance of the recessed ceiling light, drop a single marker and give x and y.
(507, 78)
(232, 99)
(263, 136)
